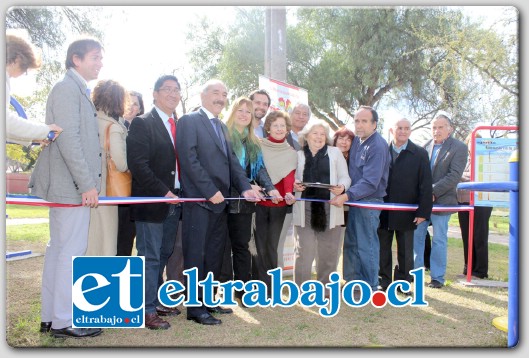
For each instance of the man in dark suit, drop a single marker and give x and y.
(409, 182)
(151, 157)
(448, 158)
(208, 168)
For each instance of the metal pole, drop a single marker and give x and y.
(512, 314)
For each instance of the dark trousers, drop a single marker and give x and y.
(204, 234)
(155, 241)
(237, 259)
(175, 263)
(404, 240)
(126, 231)
(268, 226)
(480, 249)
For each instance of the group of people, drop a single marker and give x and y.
(270, 164)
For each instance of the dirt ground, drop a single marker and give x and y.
(457, 316)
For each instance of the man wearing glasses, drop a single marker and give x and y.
(152, 160)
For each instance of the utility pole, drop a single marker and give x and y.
(275, 43)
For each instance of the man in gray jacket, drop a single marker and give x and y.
(448, 158)
(68, 171)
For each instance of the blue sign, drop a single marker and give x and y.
(108, 291)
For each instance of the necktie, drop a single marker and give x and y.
(173, 133)
(220, 134)
(173, 130)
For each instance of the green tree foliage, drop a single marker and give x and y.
(236, 55)
(419, 60)
(48, 27)
(21, 158)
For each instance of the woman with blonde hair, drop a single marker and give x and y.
(110, 99)
(246, 146)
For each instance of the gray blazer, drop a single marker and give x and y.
(71, 165)
(447, 170)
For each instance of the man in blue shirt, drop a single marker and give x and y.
(368, 169)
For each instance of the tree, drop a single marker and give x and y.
(423, 60)
(48, 27)
(237, 56)
(21, 158)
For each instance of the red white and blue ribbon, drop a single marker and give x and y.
(108, 200)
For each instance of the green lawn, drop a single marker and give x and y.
(26, 211)
(498, 224)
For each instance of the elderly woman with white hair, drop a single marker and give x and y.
(317, 223)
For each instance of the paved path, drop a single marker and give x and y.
(455, 231)
(26, 221)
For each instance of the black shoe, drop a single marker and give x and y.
(435, 284)
(45, 327)
(399, 290)
(219, 309)
(75, 332)
(465, 270)
(205, 318)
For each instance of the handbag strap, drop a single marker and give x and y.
(107, 140)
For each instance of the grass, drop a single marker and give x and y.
(497, 223)
(457, 315)
(31, 233)
(26, 211)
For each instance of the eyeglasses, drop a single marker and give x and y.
(170, 90)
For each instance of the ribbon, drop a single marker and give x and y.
(113, 200)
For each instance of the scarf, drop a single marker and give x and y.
(247, 152)
(317, 169)
(279, 158)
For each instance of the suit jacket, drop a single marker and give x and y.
(409, 182)
(290, 140)
(151, 159)
(71, 165)
(447, 170)
(205, 167)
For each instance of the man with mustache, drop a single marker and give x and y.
(208, 169)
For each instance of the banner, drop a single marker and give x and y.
(283, 96)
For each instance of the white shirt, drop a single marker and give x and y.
(165, 120)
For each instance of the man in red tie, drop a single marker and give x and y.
(152, 160)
